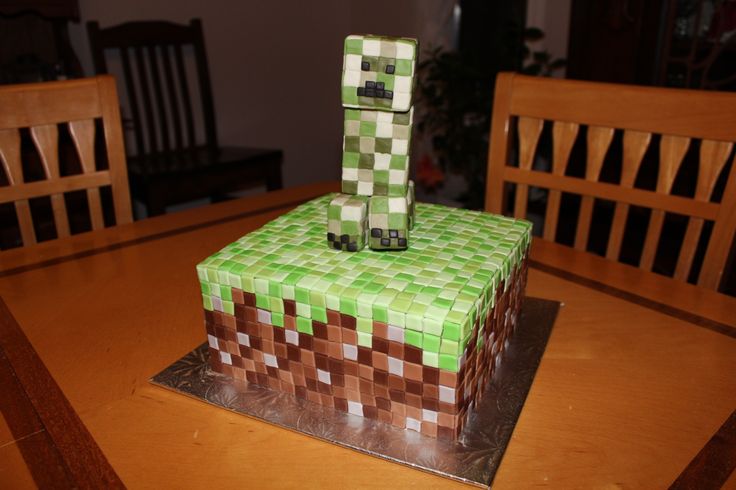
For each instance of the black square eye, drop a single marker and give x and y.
(365, 66)
(370, 84)
(390, 69)
(379, 85)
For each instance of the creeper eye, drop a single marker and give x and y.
(390, 69)
(365, 66)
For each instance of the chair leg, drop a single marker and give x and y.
(273, 178)
(155, 205)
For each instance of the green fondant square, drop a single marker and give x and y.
(350, 159)
(367, 128)
(414, 338)
(431, 359)
(319, 313)
(383, 145)
(277, 319)
(349, 96)
(304, 325)
(262, 301)
(448, 363)
(430, 342)
(354, 46)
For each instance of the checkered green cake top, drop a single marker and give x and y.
(431, 294)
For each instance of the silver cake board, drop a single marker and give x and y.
(473, 458)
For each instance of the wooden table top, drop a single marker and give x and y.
(636, 387)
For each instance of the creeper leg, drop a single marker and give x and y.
(347, 222)
(388, 220)
(410, 203)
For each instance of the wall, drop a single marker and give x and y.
(554, 19)
(275, 66)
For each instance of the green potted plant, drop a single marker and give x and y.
(455, 92)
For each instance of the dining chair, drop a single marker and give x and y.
(684, 138)
(175, 155)
(35, 115)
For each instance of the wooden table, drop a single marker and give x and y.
(637, 379)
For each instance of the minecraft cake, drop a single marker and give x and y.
(406, 313)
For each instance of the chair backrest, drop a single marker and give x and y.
(160, 95)
(661, 127)
(40, 108)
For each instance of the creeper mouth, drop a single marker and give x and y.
(376, 90)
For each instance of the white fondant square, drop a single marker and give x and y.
(401, 101)
(371, 47)
(349, 173)
(382, 116)
(351, 78)
(429, 415)
(365, 188)
(402, 85)
(396, 177)
(404, 51)
(399, 147)
(384, 130)
(395, 366)
(270, 360)
(212, 341)
(355, 408)
(225, 358)
(350, 352)
(217, 303)
(397, 205)
(381, 161)
(292, 337)
(447, 394)
(413, 424)
(264, 316)
(396, 334)
(243, 339)
(324, 377)
(351, 213)
(352, 61)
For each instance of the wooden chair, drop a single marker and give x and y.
(669, 126)
(171, 163)
(38, 109)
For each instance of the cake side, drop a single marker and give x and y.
(408, 338)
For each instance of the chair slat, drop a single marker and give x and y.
(672, 150)
(185, 96)
(83, 135)
(46, 139)
(635, 146)
(599, 139)
(160, 101)
(132, 92)
(173, 98)
(529, 130)
(722, 238)
(563, 135)
(140, 61)
(10, 159)
(713, 156)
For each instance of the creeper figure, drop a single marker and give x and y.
(376, 206)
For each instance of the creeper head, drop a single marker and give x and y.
(378, 73)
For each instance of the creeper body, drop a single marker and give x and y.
(377, 200)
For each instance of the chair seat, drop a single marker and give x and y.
(200, 159)
(164, 179)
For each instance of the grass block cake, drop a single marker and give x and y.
(408, 337)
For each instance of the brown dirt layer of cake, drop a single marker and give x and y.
(331, 369)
